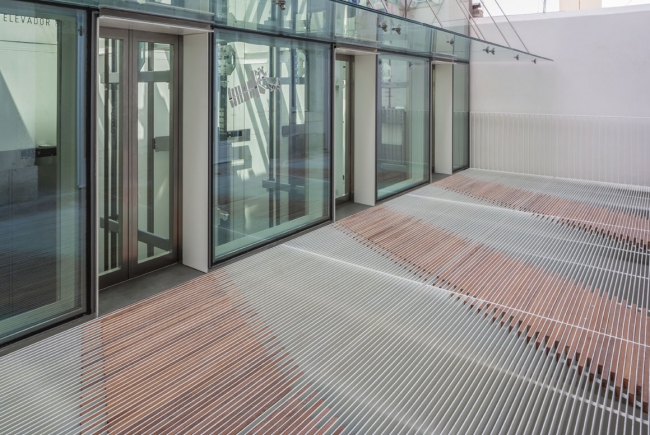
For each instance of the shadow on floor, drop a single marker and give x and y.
(438, 177)
(348, 209)
(143, 287)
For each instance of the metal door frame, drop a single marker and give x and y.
(129, 159)
(349, 130)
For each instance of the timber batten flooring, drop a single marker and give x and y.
(485, 303)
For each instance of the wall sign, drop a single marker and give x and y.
(21, 19)
(258, 84)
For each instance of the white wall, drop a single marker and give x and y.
(196, 144)
(28, 85)
(365, 68)
(595, 95)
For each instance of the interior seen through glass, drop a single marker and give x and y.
(271, 167)
(42, 168)
(403, 124)
(135, 145)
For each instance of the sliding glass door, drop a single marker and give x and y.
(403, 109)
(271, 156)
(44, 256)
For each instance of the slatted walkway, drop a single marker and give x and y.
(446, 310)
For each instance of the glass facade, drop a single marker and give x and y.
(43, 194)
(403, 120)
(460, 138)
(271, 157)
(271, 160)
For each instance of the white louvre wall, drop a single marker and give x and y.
(584, 116)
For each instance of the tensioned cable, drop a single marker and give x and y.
(495, 24)
(468, 14)
(511, 26)
(434, 13)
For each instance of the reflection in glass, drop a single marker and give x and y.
(460, 141)
(43, 274)
(154, 170)
(271, 156)
(402, 124)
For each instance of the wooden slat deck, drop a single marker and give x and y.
(196, 359)
(634, 229)
(599, 334)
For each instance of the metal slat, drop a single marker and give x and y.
(462, 307)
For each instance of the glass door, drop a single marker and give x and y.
(343, 129)
(137, 152)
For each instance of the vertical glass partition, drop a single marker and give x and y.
(271, 156)
(402, 123)
(460, 138)
(43, 274)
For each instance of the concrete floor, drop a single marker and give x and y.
(143, 287)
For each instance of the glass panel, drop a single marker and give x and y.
(271, 166)
(402, 124)
(460, 149)
(341, 125)
(334, 21)
(155, 150)
(354, 24)
(110, 145)
(43, 274)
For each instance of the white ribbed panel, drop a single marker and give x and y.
(608, 149)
